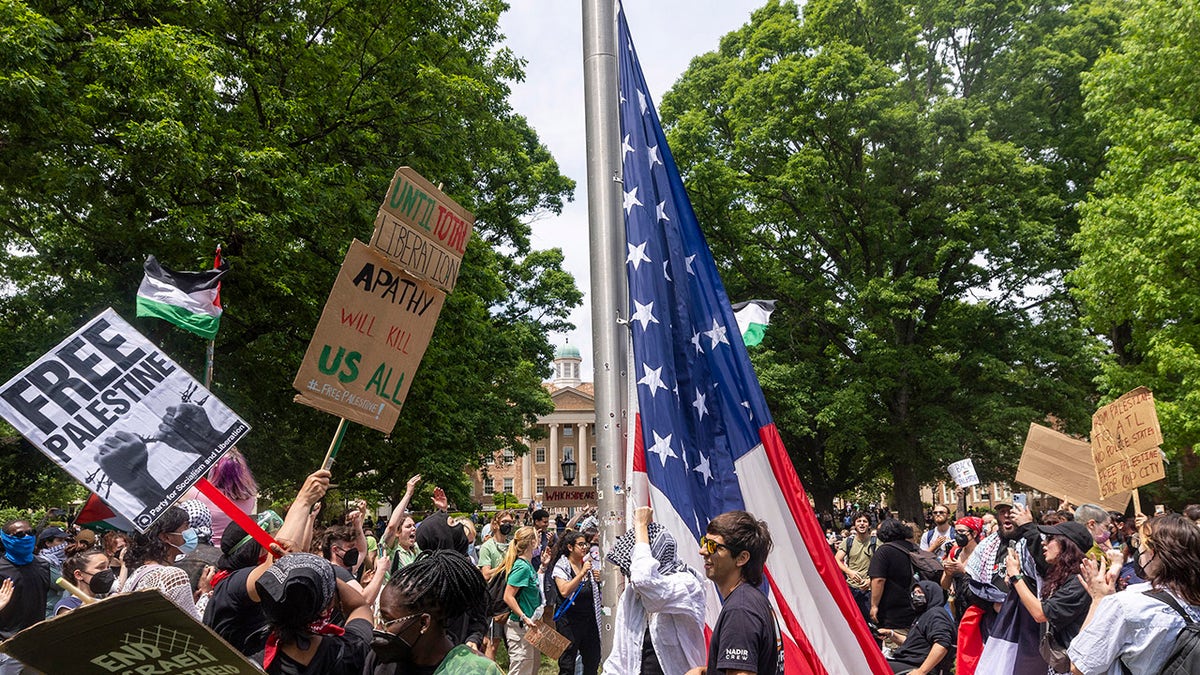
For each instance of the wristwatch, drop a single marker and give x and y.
(1012, 581)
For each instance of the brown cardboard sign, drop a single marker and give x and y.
(567, 495)
(372, 335)
(419, 211)
(140, 632)
(1060, 465)
(415, 252)
(1125, 443)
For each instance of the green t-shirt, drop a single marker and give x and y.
(462, 661)
(491, 554)
(525, 580)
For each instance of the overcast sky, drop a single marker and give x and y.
(548, 34)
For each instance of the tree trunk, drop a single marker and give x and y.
(906, 497)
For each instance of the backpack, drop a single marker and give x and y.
(848, 542)
(1185, 656)
(926, 566)
(495, 591)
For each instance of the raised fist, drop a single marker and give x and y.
(123, 458)
(186, 428)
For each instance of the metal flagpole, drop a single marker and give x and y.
(609, 287)
(210, 348)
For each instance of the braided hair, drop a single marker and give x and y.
(443, 583)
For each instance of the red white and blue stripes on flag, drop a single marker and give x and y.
(705, 442)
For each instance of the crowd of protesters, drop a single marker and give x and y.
(1080, 590)
(356, 596)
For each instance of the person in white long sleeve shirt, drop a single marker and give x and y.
(663, 600)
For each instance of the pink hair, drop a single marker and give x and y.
(231, 475)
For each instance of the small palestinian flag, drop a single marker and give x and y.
(190, 300)
(752, 319)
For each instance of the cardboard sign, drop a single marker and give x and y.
(140, 632)
(369, 342)
(547, 640)
(422, 230)
(566, 495)
(1060, 465)
(121, 417)
(963, 473)
(1125, 443)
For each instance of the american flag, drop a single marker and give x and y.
(704, 439)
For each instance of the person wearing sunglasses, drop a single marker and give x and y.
(421, 609)
(31, 582)
(745, 638)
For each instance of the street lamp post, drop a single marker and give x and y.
(568, 467)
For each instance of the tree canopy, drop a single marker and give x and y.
(902, 177)
(139, 127)
(1139, 242)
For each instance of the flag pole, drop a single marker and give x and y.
(608, 284)
(211, 348)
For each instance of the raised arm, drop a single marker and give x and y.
(295, 524)
(393, 526)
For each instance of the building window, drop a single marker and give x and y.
(539, 455)
(541, 486)
(568, 431)
(508, 485)
(568, 452)
(595, 481)
(508, 456)
(489, 488)
(593, 454)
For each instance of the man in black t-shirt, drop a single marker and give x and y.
(745, 638)
(891, 573)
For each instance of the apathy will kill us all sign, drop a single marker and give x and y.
(384, 305)
(121, 417)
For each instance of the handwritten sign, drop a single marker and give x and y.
(422, 230)
(963, 473)
(372, 335)
(1125, 443)
(1060, 465)
(567, 495)
(140, 632)
(121, 417)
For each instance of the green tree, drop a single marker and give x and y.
(868, 164)
(1140, 238)
(139, 126)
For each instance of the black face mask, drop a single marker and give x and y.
(390, 648)
(350, 558)
(1137, 563)
(961, 539)
(102, 582)
(506, 529)
(918, 603)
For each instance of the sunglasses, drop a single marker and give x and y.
(710, 547)
(387, 624)
(22, 533)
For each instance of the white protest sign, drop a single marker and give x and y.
(963, 473)
(121, 417)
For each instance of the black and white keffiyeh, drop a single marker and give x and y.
(662, 546)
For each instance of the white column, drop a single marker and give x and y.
(582, 456)
(553, 460)
(527, 484)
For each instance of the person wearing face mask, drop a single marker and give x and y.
(297, 594)
(491, 563)
(151, 555)
(199, 563)
(52, 548)
(1136, 630)
(30, 578)
(929, 643)
(418, 610)
(340, 548)
(967, 531)
(1096, 519)
(89, 572)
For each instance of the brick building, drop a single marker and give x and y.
(569, 433)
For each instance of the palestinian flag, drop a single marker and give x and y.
(190, 300)
(96, 515)
(752, 319)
